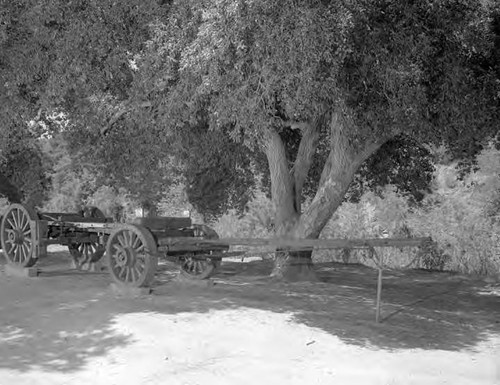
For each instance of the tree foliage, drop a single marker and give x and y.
(196, 87)
(417, 72)
(23, 166)
(73, 58)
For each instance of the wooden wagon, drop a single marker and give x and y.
(132, 249)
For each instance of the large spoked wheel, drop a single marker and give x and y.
(132, 256)
(89, 252)
(17, 233)
(198, 268)
(194, 268)
(85, 253)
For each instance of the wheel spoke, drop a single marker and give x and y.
(25, 251)
(16, 252)
(136, 242)
(26, 223)
(13, 252)
(20, 216)
(12, 245)
(20, 252)
(15, 216)
(128, 237)
(118, 248)
(121, 240)
(140, 249)
(12, 225)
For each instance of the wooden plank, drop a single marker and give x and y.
(173, 233)
(297, 244)
(70, 217)
(160, 223)
(97, 228)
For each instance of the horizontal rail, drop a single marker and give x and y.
(97, 226)
(295, 243)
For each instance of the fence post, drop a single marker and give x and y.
(380, 267)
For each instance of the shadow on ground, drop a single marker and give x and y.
(63, 318)
(420, 309)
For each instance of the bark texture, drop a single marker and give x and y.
(339, 170)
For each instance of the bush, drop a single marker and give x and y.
(255, 223)
(115, 204)
(462, 216)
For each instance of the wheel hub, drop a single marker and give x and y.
(16, 237)
(126, 257)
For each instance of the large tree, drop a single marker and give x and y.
(360, 73)
(317, 87)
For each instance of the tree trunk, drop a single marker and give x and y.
(8, 190)
(286, 189)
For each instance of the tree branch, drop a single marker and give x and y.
(305, 157)
(282, 185)
(296, 125)
(126, 108)
(341, 165)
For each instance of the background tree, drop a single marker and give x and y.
(72, 58)
(23, 166)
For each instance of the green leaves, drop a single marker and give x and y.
(242, 61)
(236, 68)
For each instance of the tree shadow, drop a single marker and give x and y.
(63, 319)
(420, 309)
(57, 321)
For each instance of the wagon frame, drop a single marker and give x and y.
(132, 248)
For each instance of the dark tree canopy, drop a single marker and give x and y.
(71, 57)
(153, 88)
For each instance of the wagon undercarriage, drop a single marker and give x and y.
(132, 249)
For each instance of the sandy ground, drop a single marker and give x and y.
(69, 327)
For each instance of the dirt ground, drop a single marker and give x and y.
(69, 327)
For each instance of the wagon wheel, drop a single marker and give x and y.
(132, 256)
(87, 252)
(194, 268)
(18, 235)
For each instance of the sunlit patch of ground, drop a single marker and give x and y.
(68, 327)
